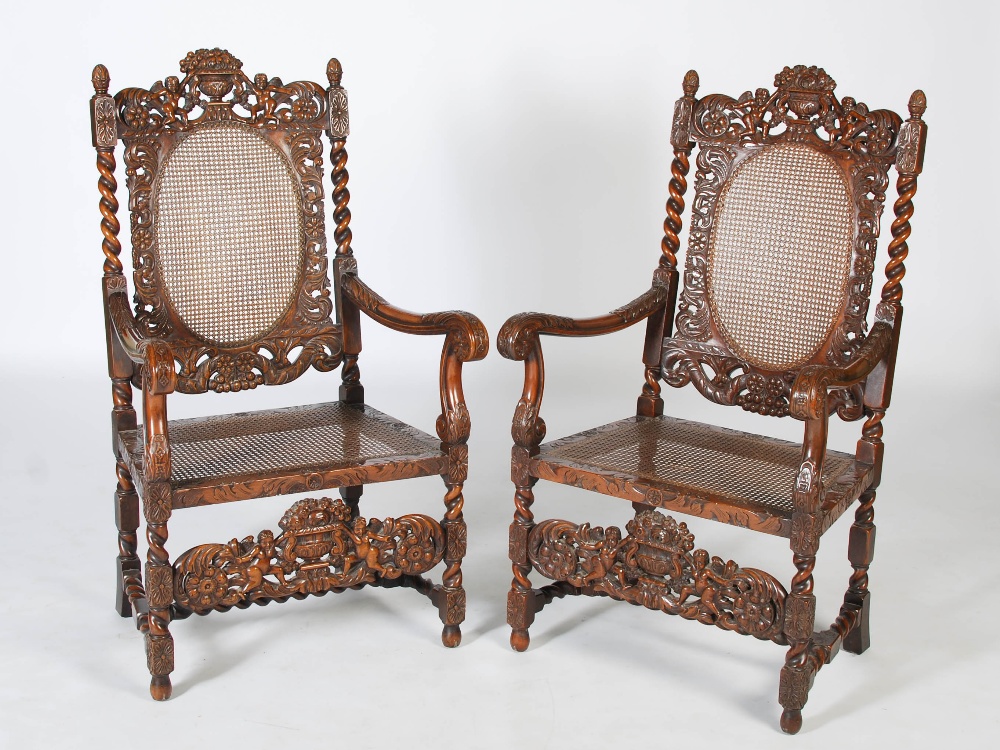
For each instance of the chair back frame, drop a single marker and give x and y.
(729, 132)
(153, 124)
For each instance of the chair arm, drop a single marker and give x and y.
(519, 335)
(154, 355)
(466, 334)
(811, 386)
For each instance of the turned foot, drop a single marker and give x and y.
(160, 688)
(791, 720)
(519, 640)
(451, 636)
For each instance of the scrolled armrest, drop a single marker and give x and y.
(465, 333)
(809, 391)
(519, 335)
(154, 355)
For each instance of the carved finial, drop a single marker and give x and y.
(691, 83)
(101, 79)
(334, 71)
(918, 104)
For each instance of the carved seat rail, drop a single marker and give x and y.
(703, 470)
(284, 451)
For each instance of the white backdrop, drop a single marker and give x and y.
(503, 157)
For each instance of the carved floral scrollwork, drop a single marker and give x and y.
(210, 77)
(320, 548)
(803, 102)
(724, 378)
(656, 566)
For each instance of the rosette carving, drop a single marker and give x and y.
(319, 548)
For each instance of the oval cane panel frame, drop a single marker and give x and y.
(229, 234)
(780, 255)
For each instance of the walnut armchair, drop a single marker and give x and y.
(232, 291)
(789, 187)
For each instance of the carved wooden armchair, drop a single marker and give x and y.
(789, 187)
(225, 181)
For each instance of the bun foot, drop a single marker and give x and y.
(791, 720)
(519, 640)
(451, 636)
(160, 687)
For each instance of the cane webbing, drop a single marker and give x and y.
(315, 437)
(701, 459)
(228, 233)
(780, 255)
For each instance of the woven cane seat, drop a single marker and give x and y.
(229, 233)
(316, 446)
(780, 254)
(702, 464)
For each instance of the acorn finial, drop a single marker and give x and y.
(691, 83)
(100, 79)
(918, 104)
(334, 71)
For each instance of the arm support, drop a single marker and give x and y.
(153, 354)
(519, 340)
(519, 335)
(466, 334)
(466, 340)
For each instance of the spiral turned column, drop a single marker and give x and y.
(452, 608)
(909, 164)
(650, 403)
(157, 507)
(129, 577)
(669, 246)
(520, 598)
(800, 618)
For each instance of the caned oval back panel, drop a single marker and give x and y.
(229, 235)
(225, 179)
(779, 255)
(789, 186)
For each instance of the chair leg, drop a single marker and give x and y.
(159, 590)
(521, 598)
(452, 603)
(860, 552)
(352, 497)
(800, 618)
(127, 521)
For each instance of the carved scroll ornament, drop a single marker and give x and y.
(654, 566)
(319, 548)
